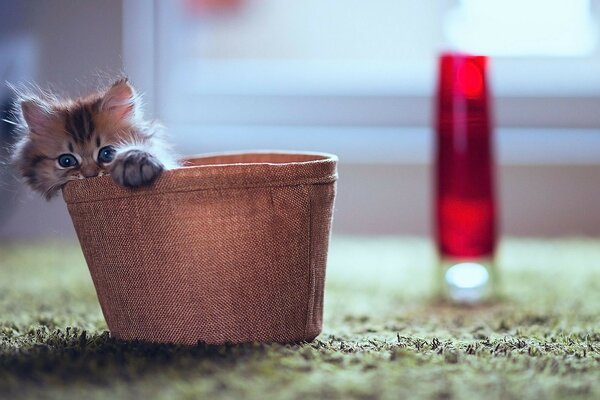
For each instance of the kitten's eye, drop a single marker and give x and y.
(106, 154)
(67, 160)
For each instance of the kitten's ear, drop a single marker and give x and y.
(120, 99)
(37, 115)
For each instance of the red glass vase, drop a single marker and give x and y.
(465, 203)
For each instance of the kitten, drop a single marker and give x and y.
(91, 136)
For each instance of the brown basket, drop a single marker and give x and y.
(231, 248)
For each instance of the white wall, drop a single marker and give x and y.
(534, 200)
(78, 41)
(76, 44)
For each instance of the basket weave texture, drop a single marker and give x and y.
(230, 248)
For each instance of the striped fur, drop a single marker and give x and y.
(79, 120)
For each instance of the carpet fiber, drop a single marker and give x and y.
(383, 336)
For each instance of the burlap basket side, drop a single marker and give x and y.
(321, 216)
(242, 261)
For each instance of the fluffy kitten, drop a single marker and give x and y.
(92, 136)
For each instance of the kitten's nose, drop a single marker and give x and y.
(89, 172)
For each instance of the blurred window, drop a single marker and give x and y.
(356, 62)
(558, 28)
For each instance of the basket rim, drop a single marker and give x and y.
(311, 158)
(224, 170)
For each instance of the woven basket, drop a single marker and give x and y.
(230, 248)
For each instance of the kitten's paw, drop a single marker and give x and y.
(136, 168)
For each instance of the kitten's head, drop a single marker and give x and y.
(74, 139)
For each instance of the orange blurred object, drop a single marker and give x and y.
(212, 6)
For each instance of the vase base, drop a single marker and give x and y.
(467, 281)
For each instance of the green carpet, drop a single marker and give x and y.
(383, 337)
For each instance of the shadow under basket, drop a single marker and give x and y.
(230, 248)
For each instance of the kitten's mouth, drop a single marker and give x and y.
(101, 173)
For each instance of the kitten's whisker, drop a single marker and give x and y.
(49, 192)
(8, 121)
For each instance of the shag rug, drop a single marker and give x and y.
(383, 336)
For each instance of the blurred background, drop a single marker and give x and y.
(350, 77)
